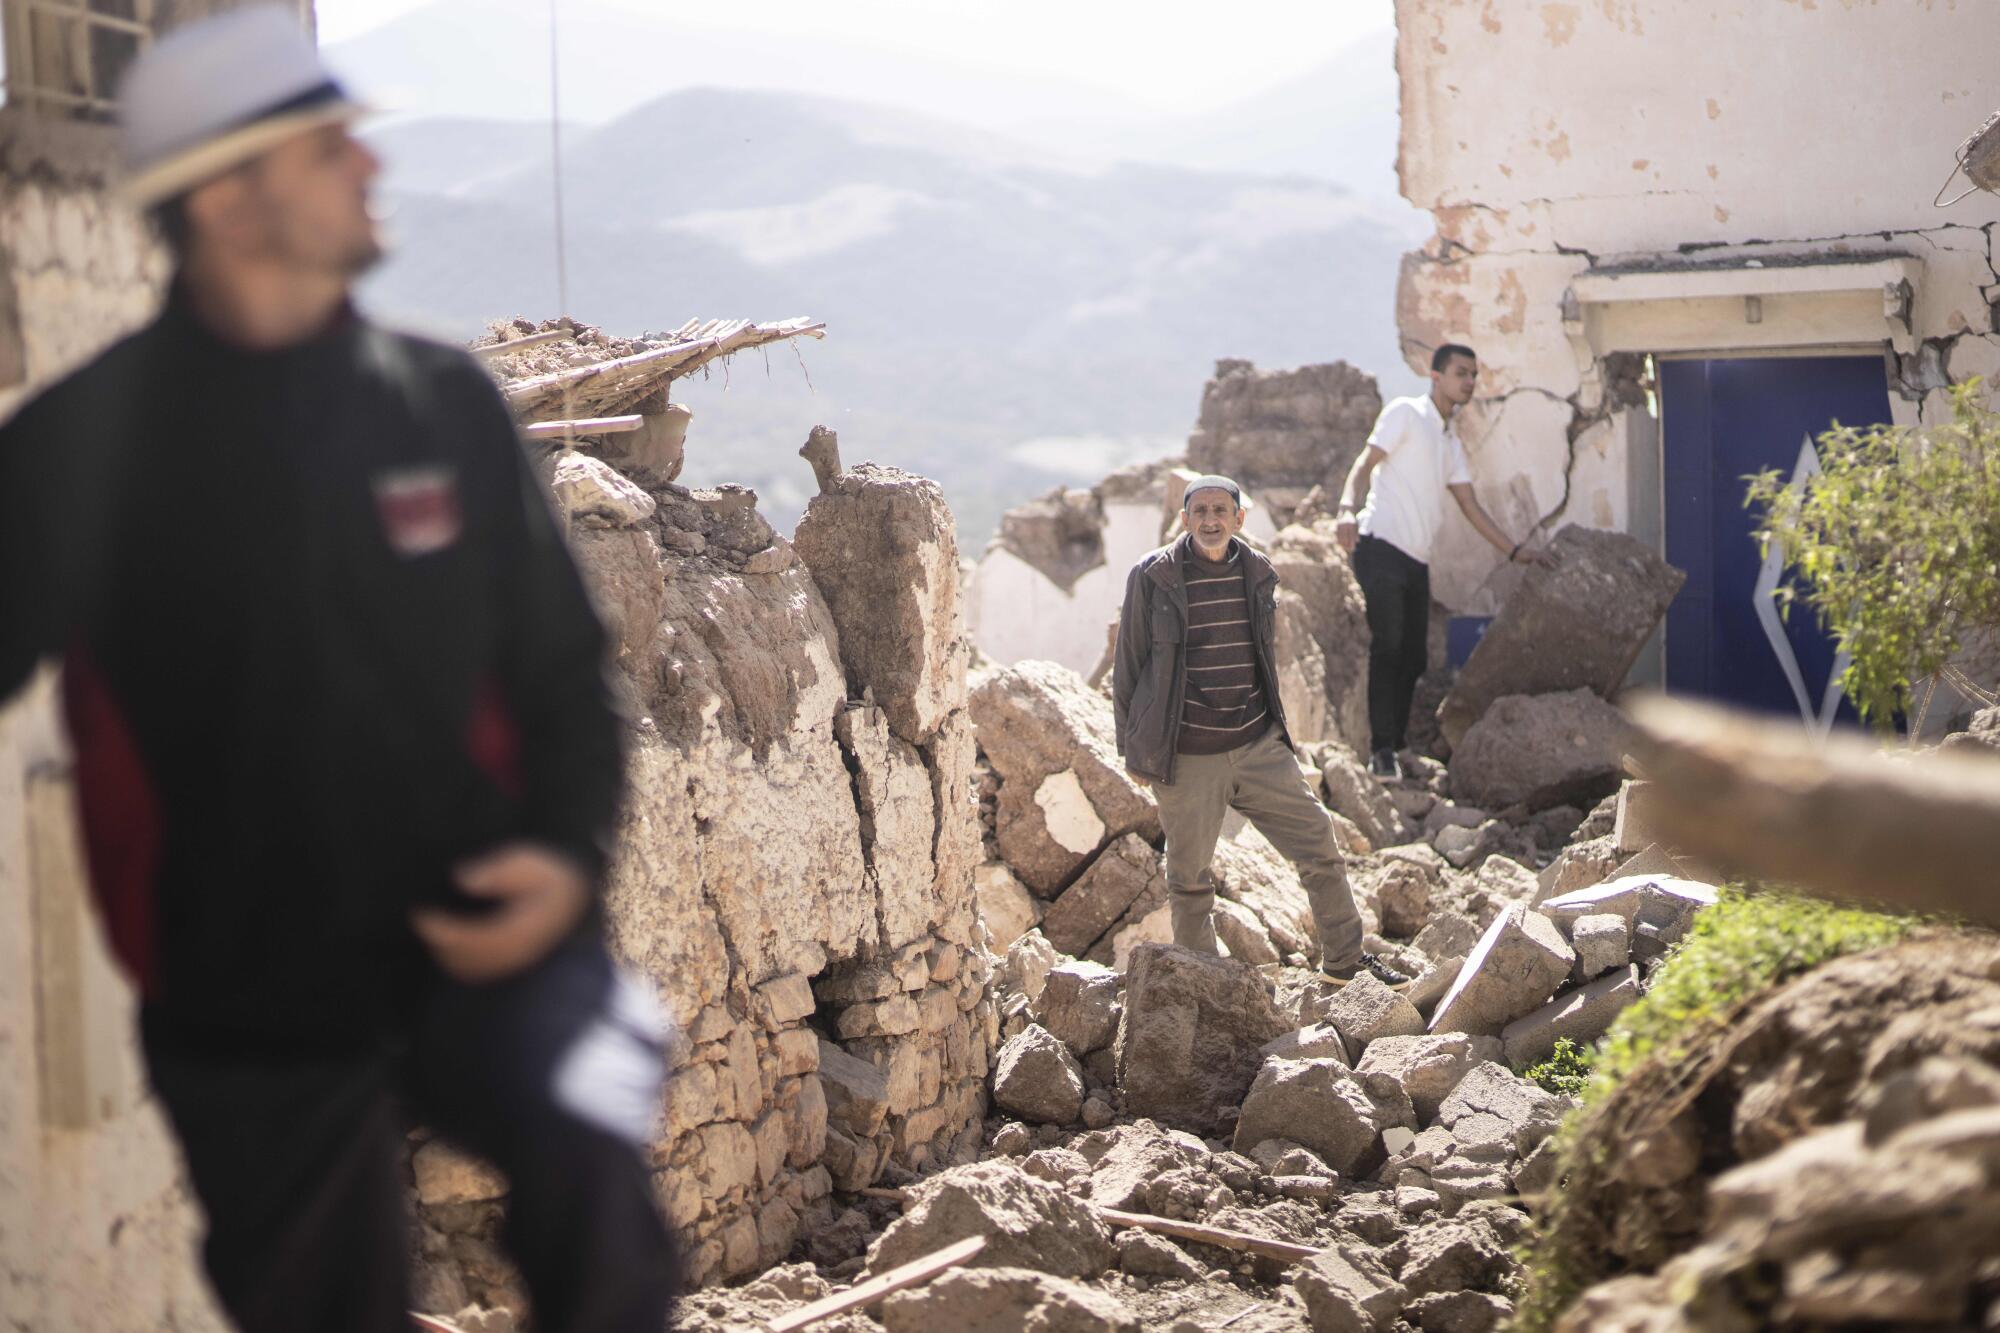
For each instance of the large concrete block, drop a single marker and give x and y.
(1582, 1015)
(1101, 895)
(1325, 1106)
(1517, 964)
(1063, 788)
(1365, 1009)
(1540, 751)
(1576, 626)
(1602, 941)
(1189, 1038)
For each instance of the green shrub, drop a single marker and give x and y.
(1567, 1070)
(1748, 943)
(1896, 545)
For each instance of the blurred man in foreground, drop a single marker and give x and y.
(345, 755)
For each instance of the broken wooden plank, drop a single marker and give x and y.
(1841, 818)
(1229, 1240)
(513, 345)
(877, 1289)
(881, 1192)
(541, 430)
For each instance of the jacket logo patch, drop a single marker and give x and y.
(418, 507)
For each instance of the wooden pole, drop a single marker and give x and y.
(542, 430)
(1228, 1240)
(513, 345)
(877, 1289)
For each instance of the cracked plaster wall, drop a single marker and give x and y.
(1548, 139)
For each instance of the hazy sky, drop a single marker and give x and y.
(1164, 56)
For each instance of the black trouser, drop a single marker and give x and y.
(1398, 590)
(298, 1160)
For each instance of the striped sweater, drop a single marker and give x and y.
(1226, 706)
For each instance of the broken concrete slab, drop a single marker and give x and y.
(1315, 1041)
(1582, 1015)
(1037, 1078)
(1365, 1009)
(1515, 967)
(1603, 941)
(1101, 895)
(1051, 739)
(1004, 904)
(1541, 750)
(1530, 1113)
(1079, 1004)
(1578, 625)
(1026, 1222)
(1005, 1300)
(1429, 1067)
(1325, 1106)
(1346, 1289)
(1188, 1040)
(1667, 904)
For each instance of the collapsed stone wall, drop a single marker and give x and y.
(794, 865)
(1282, 432)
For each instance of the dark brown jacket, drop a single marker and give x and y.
(1149, 670)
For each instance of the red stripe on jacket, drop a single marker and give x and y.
(120, 814)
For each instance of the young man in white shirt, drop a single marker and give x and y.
(1390, 513)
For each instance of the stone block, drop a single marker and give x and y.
(1004, 904)
(1079, 1004)
(1633, 829)
(1188, 1041)
(1602, 940)
(1578, 625)
(593, 493)
(1429, 1067)
(785, 1000)
(446, 1175)
(882, 548)
(1582, 1015)
(1664, 902)
(857, 1093)
(1515, 967)
(1402, 900)
(1541, 750)
(1316, 1041)
(1529, 1113)
(1025, 1221)
(1037, 1078)
(1352, 792)
(1052, 741)
(1365, 1009)
(1325, 1106)
(1006, 1300)
(1101, 895)
(1346, 1289)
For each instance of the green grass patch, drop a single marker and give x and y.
(1749, 942)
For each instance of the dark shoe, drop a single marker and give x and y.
(1371, 965)
(1384, 764)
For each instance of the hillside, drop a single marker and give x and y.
(999, 318)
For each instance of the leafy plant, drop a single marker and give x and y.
(1895, 544)
(1566, 1072)
(1738, 950)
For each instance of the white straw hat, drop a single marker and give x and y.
(217, 92)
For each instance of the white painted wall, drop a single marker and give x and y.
(1548, 138)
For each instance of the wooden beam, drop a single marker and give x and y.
(513, 345)
(877, 1289)
(542, 430)
(1229, 1240)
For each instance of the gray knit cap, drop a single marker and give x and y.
(1213, 482)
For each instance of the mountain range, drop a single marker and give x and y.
(1002, 315)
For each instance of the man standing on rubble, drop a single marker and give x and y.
(1390, 512)
(346, 762)
(1194, 689)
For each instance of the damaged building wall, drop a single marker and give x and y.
(794, 867)
(1671, 142)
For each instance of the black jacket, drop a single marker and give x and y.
(1149, 670)
(320, 638)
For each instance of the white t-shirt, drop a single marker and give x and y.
(1406, 498)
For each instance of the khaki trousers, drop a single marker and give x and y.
(1262, 782)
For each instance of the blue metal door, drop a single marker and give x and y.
(1721, 421)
